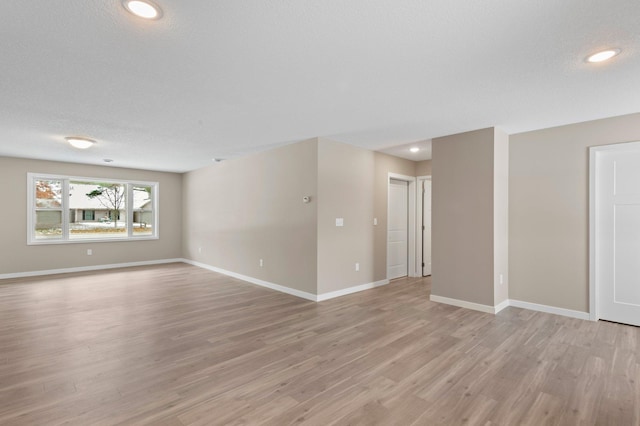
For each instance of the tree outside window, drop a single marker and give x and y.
(80, 209)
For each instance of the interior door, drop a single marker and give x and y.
(618, 235)
(426, 228)
(398, 229)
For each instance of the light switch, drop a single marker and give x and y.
(339, 221)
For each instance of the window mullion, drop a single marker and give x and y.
(31, 205)
(129, 207)
(65, 209)
(156, 210)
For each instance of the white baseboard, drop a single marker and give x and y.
(549, 309)
(256, 281)
(309, 296)
(502, 305)
(289, 290)
(510, 302)
(354, 289)
(86, 268)
(262, 283)
(463, 304)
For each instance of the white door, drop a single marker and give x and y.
(617, 206)
(426, 228)
(397, 229)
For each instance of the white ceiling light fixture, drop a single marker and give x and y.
(80, 143)
(414, 149)
(143, 9)
(603, 55)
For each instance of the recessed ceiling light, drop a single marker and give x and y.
(603, 55)
(414, 149)
(143, 9)
(80, 143)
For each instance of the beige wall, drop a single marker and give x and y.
(548, 209)
(462, 217)
(500, 216)
(18, 257)
(385, 164)
(242, 210)
(423, 168)
(231, 214)
(345, 190)
(239, 211)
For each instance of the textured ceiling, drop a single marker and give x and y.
(224, 78)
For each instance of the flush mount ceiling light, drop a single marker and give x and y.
(603, 55)
(143, 9)
(414, 149)
(80, 143)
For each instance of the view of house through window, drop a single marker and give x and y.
(106, 201)
(48, 208)
(68, 209)
(143, 210)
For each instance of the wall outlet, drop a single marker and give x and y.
(199, 249)
(357, 266)
(261, 263)
(89, 252)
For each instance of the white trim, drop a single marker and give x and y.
(502, 305)
(593, 300)
(256, 281)
(309, 296)
(411, 255)
(549, 309)
(510, 302)
(419, 224)
(87, 268)
(350, 290)
(463, 304)
(594, 313)
(262, 283)
(64, 209)
(289, 290)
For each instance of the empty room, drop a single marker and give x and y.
(407, 212)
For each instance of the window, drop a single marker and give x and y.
(48, 208)
(88, 214)
(65, 209)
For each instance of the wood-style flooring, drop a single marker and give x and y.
(179, 345)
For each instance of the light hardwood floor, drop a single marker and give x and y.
(179, 345)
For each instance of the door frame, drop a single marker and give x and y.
(419, 216)
(411, 233)
(594, 231)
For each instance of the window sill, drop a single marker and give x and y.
(91, 240)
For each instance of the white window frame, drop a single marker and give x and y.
(129, 184)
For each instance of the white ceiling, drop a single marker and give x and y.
(223, 78)
(404, 150)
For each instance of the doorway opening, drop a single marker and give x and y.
(401, 226)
